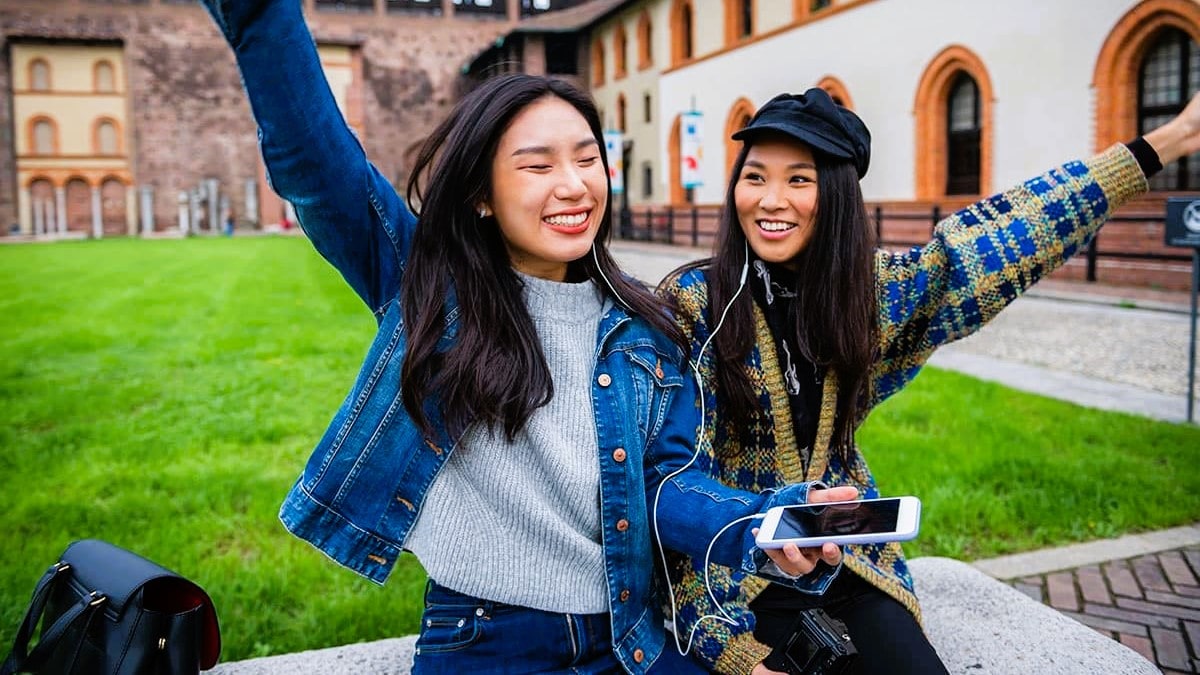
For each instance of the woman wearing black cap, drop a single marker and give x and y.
(830, 326)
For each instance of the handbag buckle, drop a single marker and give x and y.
(62, 566)
(97, 599)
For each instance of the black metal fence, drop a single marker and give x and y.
(696, 226)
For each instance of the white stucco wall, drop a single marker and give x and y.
(1040, 56)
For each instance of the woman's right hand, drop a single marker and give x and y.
(760, 669)
(796, 561)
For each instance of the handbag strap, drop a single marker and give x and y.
(21, 659)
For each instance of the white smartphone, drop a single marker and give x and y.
(868, 521)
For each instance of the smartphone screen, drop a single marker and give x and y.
(869, 517)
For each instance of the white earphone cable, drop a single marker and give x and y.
(694, 365)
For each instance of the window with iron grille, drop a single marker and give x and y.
(1168, 77)
(962, 137)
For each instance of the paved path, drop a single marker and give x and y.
(1150, 603)
(1104, 347)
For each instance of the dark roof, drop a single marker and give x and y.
(571, 19)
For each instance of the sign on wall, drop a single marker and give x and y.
(614, 149)
(691, 150)
(1183, 222)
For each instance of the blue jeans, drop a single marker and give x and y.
(462, 634)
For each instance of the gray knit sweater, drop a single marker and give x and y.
(519, 522)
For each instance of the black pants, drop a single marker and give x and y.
(886, 635)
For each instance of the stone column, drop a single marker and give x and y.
(97, 213)
(60, 205)
(131, 210)
(184, 209)
(194, 199)
(213, 190)
(251, 213)
(146, 194)
(25, 213)
(39, 215)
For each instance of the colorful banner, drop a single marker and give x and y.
(691, 150)
(614, 148)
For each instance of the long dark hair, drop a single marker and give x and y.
(494, 371)
(835, 307)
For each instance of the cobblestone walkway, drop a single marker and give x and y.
(1150, 603)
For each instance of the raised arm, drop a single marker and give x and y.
(985, 255)
(349, 211)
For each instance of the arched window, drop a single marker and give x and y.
(1119, 70)
(675, 191)
(106, 139)
(837, 91)
(105, 80)
(682, 47)
(619, 49)
(685, 25)
(597, 63)
(39, 75)
(739, 20)
(112, 205)
(962, 137)
(953, 126)
(43, 136)
(621, 113)
(739, 117)
(79, 205)
(1168, 76)
(645, 41)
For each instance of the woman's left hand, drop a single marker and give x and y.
(795, 561)
(1179, 137)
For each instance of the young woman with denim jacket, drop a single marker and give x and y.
(827, 327)
(546, 418)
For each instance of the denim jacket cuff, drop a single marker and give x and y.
(755, 561)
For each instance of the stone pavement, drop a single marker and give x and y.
(1142, 590)
(1106, 347)
(1150, 603)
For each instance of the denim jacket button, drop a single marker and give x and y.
(622, 525)
(625, 595)
(604, 380)
(619, 455)
(639, 656)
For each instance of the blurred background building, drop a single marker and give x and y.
(125, 116)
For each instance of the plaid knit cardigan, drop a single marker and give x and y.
(978, 261)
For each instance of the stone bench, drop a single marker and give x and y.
(977, 624)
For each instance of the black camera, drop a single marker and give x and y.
(817, 644)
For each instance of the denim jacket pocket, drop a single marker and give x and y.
(653, 385)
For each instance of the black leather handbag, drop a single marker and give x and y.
(106, 611)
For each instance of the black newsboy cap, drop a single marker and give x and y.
(815, 120)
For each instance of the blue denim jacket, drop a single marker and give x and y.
(364, 484)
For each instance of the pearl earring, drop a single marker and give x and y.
(483, 212)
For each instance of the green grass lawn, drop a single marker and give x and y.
(163, 395)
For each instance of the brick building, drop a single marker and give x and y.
(963, 98)
(121, 115)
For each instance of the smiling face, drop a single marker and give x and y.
(549, 188)
(776, 199)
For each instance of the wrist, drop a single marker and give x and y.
(1170, 140)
